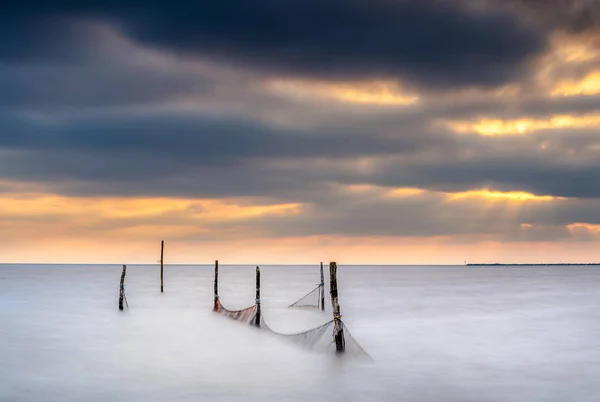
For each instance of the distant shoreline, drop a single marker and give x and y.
(497, 264)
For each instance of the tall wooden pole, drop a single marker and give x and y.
(122, 288)
(257, 320)
(215, 307)
(322, 289)
(162, 249)
(338, 326)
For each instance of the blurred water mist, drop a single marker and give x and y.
(435, 334)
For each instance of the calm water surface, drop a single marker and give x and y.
(435, 334)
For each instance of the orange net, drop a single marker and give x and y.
(247, 315)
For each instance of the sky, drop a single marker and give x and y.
(284, 131)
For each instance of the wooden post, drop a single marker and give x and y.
(257, 320)
(322, 289)
(338, 326)
(215, 307)
(122, 288)
(162, 249)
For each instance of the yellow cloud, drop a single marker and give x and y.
(44, 207)
(492, 127)
(573, 50)
(588, 227)
(383, 93)
(361, 188)
(517, 196)
(38, 227)
(381, 191)
(406, 192)
(589, 85)
(559, 71)
(479, 194)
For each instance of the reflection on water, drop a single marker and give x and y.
(435, 334)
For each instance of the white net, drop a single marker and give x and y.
(321, 338)
(311, 299)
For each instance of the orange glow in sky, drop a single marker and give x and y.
(589, 85)
(51, 228)
(491, 127)
(381, 93)
(515, 196)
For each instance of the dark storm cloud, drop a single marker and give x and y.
(101, 70)
(193, 137)
(570, 105)
(429, 42)
(207, 156)
(92, 85)
(574, 15)
(176, 154)
(67, 92)
(563, 163)
(31, 37)
(193, 156)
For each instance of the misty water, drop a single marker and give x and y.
(434, 333)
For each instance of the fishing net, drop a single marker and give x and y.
(314, 298)
(352, 346)
(310, 339)
(311, 299)
(321, 338)
(247, 315)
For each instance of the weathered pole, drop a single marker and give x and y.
(322, 289)
(162, 249)
(338, 326)
(122, 288)
(215, 307)
(257, 318)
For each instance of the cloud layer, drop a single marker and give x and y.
(461, 121)
(429, 42)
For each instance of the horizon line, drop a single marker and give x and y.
(300, 264)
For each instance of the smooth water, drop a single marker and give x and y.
(435, 334)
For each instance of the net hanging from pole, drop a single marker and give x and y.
(247, 315)
(250, 315)
(311, 299)
(319, 338)
(314, 298)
